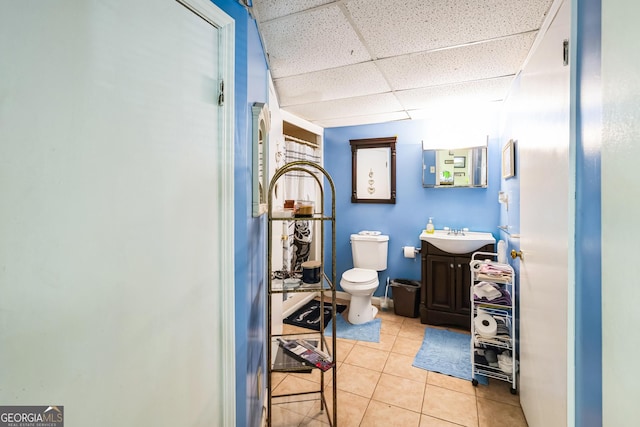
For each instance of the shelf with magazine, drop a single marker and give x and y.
(312, 351)
(493, 311)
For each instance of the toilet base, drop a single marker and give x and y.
(361, 310)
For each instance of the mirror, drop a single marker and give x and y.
(373, 170)
(460, 167)
(261, 124)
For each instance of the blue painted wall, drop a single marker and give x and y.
(257, 91)
(588, 296)
(250, 233)
(475, 208)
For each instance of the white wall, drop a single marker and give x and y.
(109, 291)
(620, 213)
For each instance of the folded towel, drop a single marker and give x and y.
(494, 272)
(487, 290)
(504, 299)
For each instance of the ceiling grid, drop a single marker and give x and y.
(338, 63)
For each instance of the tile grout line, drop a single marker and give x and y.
(424, 394)
(475, 394)
(374, 391)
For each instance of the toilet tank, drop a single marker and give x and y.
(369, 250)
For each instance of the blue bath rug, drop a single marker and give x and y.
(369, 331)
(446, 352)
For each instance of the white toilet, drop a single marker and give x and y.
(369, 250)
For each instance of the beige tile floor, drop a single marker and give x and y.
(377, 386)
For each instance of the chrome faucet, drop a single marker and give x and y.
(456, 231)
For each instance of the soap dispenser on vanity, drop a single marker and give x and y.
(430, 227)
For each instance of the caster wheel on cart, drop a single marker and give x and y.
(474, 382)
(513, 391)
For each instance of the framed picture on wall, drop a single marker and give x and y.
(508, 157)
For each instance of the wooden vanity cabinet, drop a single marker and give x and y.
(446, 284)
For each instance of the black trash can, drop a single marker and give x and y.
(406, 297)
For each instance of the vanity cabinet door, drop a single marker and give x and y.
(440, 283)
(446, 286)
(463, 285)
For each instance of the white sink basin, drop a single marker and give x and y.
(459, 243)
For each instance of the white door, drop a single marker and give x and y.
(543, 141)
(113, 213)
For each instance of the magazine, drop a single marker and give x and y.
(306, 352)
(284, 361)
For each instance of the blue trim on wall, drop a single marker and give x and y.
(588, 298)
(475, 208)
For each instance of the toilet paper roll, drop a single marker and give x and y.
(485, 325)
(409, 251)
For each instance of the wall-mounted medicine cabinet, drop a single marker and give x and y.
(459, 167)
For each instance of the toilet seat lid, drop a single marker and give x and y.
(361, 276)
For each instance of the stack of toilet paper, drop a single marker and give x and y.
(485, 325)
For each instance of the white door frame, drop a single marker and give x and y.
(225, 192)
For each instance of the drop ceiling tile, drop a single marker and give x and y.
(477, 115)
(364, 120)
(312, 41)
(456, 95)
(349, 107)
(336, 83)
(266, 10)
(324, 72)
(430, 24)
(472, 62)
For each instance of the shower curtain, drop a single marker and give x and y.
(298, 186)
